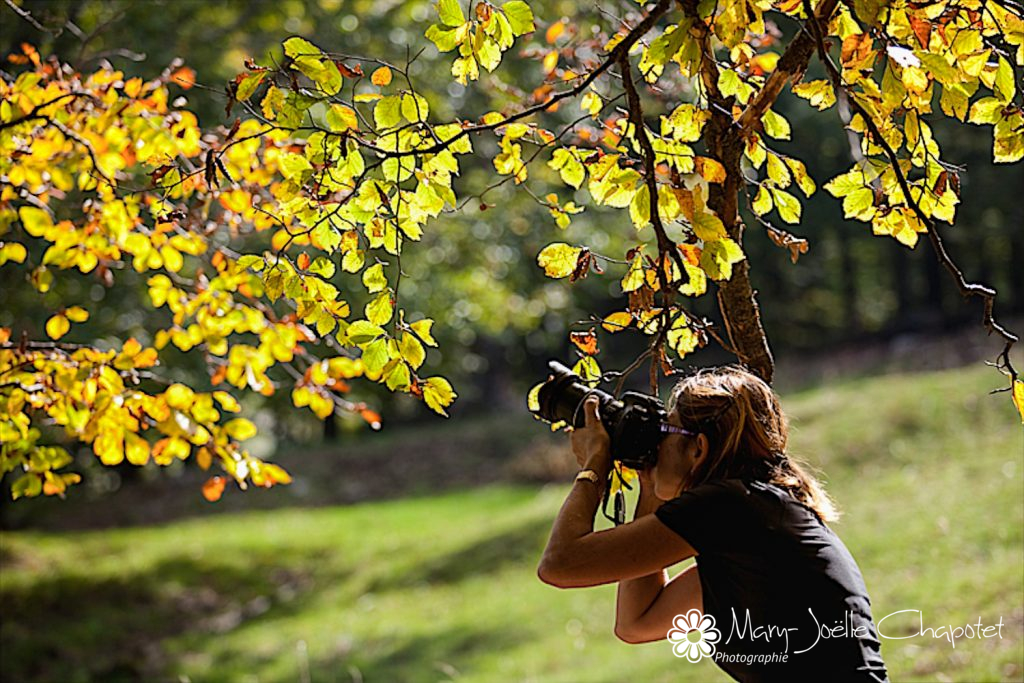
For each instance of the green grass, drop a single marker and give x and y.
(928, 469)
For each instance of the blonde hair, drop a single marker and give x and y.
(747, 431)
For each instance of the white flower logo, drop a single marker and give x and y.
(694, 635)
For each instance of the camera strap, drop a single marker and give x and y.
(618, 516)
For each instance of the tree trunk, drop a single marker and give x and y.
(736, 297)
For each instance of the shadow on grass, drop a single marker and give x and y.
(434, 657)
(70, 625)
(73, 627)
(521, 544)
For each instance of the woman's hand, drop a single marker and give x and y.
(647, 502)
(591, 443)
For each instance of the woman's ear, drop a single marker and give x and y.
(703, 447)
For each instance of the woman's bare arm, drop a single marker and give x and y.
(576, 556)
(645, 606)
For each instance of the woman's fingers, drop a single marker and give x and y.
(590, 410)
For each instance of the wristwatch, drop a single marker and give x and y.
(589, 475)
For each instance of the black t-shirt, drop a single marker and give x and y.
(785, 593)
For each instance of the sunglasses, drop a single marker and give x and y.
(667, 428)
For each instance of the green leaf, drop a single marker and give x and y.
(718, 257)
(396, 376)
(251, 261)
(640, 208)
(446, 40)
(986, 110)
(762, 203)
(294, 166)
(450, 13)
(520, 16)
(27, 485)
(788, 206)
(353, 260)
(465, 69)
(859, 204)
(707, 226)
(374, 280)
(681, 337)
(380, 310)
(247, 86)
(1004, 86)
(321, 71)
(388, 112)
(298, 47)
(488, 54)
(414, 107)
(685, 123)
(375, 356)
(323, 267)
(362, 331)
(558, 259)
(776, 126)
(411, 349)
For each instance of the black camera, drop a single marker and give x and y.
(633, 422)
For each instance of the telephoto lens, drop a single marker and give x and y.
(633, 422)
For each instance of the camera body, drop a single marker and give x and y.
(633, 422)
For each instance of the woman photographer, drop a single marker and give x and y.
(785, 595)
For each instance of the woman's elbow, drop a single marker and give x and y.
(548, 572)
(625, 635)
(631, 636)
(554, 572)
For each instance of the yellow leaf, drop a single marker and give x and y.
(558, 259)
(381, 76)
(77, 314)
(617, 321)
(227, 401)
(1018, 397)
(12, 251)
(136, 449)
(179, 396)
(36, 221)
(341, 118)
(240, 429)
(57, 326)
(422, 330)
(634, 277)
(438, 394)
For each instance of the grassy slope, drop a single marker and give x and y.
(929, 471)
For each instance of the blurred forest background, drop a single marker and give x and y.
(854, 305)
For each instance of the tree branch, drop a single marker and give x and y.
(967, 289)
(791, 66)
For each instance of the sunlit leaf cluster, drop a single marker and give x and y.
(274, 245)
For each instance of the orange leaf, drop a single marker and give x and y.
(350, 72)
(372, 418)
(213, 489)
(711, 169)
(381, 76)
(585, 341)
(555, 30)
(304, 261)
(184, 77)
